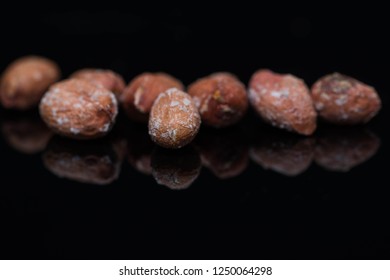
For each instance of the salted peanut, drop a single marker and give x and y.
(341, 149)
(24, 81)
(106, 78)
(93, 162)
(340, 99)
(221, 99)
(175, 169)
(283, 101)
(26, 134)
(287, 154)
(78, 109)
(174, 120)
(224, 151)
(138, 97)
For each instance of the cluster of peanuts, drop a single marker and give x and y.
(85, 105)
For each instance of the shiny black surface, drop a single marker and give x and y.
(280, 197)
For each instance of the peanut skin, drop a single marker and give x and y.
(105, 78)
(174, 120)
(342, 100)
(25, 81)
(221, 99)
(138, 97)
(283, 101)
(79, 109)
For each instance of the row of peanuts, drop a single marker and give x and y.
(85, 106)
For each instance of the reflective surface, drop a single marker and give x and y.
(225, 153)
(251, 182)
(249, 192)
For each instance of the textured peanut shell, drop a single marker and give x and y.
(221, 99)
(340, 99)
(24, 82)
(174, 120)
(283, 101)
(78, 109)
(105, 78)
(138, 97)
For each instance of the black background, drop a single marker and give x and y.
(259, 214)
